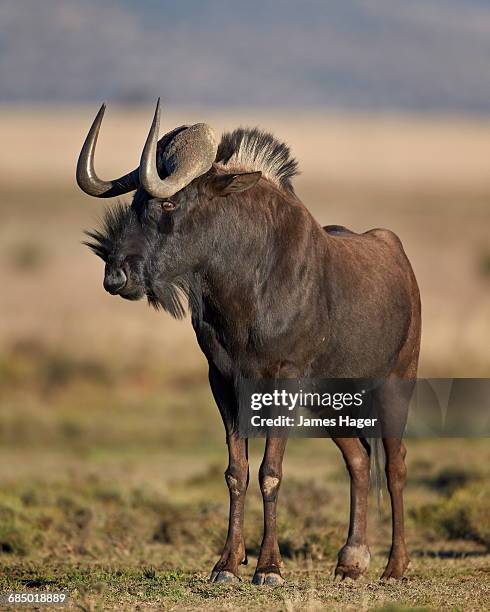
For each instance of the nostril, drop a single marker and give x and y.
(114, 281)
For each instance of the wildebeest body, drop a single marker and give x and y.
(303, 301)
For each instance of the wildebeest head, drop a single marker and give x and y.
(182, 154)
(187, 189)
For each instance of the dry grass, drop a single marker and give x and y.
(111, 487)
(111, 450)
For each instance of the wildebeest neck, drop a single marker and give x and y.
(261, 271)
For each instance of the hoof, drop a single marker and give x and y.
(267, 577)
(223, 576)
(353, 562)
(396, 568)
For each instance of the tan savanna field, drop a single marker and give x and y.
(111, 449)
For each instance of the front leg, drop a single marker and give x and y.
(269, 563)
(236, 475)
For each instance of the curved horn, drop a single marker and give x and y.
(190, 154)
(87, 178)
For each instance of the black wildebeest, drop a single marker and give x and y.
(272, 294)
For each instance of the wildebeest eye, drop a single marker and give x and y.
(168, 206)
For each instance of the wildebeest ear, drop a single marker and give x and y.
(223, 184)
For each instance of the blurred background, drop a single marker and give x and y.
(107, 425)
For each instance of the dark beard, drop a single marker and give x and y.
(176, 296)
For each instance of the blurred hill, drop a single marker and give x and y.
(422, 55)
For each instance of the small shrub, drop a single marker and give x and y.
(13, 540)
(298, 494)
(60, 370)
(316, 545)
(29, 363)
(149, 573)
(450, 479)
(15, 534)
(183, 525)
(464, 515)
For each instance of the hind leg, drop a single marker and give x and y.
(393, 402)
(354, 556)
(396, 476)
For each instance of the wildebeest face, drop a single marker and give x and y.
(123, 246)
(184, 230)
